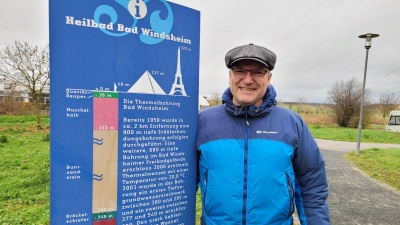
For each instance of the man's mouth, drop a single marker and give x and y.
(247, 89)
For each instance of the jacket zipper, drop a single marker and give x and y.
(246, 137)
(205, 191)
(291, 193)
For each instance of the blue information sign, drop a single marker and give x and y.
(124, 102)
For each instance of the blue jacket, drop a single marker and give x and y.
(256, 164)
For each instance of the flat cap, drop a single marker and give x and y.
(252, 52)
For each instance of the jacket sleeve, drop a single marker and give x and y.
(311, 182)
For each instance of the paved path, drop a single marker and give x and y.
(354, 197)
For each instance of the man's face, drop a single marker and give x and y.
(250, 89)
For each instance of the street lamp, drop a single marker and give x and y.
(368, 38)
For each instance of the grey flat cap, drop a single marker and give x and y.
(253, 52)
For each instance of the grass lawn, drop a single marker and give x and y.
(381, 164)
(350, 134)
(25, 172)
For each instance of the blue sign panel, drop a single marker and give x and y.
(124, 102)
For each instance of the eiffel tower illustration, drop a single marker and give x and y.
(178, 86)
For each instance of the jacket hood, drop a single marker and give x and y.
(252, 111)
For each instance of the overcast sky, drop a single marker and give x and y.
(316, 42)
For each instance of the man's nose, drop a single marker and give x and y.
(248, 77)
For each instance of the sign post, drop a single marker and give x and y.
(124, 103)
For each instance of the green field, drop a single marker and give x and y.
(24, 171)
(24, 165)
(350, 134)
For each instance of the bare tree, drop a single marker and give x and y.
(27, 65)
(344, 98)
(215, 99)
(302, 102)
(387, 103)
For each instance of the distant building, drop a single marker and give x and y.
(18, 92)
(203, 103)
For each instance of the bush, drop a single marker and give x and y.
(366, 119)
(307, 109)
(15, 108)
(46, 137)
(3, 139)
(317, 126)
(321, 119)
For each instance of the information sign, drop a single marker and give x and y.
(124, 104)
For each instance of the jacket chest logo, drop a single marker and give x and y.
(266, 132)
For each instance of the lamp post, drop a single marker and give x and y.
(368, 38)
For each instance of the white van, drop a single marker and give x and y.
(394, 121)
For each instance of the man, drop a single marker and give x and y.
(258, 160)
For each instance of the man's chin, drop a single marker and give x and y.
(246, 103)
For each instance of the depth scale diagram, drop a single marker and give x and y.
(105, 157)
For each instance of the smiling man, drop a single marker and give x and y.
(258, 161)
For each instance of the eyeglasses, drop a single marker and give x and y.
(241, 73)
